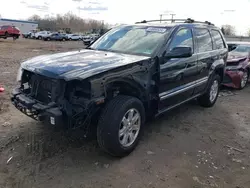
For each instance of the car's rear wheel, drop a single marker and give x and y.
(209, 98)
(244, 79)
(40, 38)
(120, 125)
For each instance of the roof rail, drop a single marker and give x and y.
(188, 20)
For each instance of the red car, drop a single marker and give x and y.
(9, 31)
(238, 65)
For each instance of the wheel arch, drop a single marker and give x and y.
(125, 87)
(220, 71)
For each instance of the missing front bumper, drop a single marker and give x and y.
(35, 109)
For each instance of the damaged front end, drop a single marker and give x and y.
(55, 101)
(236, 66)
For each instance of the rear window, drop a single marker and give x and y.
(204, 40)
(219, 44)
(4, 27)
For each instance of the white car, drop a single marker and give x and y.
(42, 34)
(74, 37)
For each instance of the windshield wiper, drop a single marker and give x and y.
(89, 48)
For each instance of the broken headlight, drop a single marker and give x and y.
(19, 74)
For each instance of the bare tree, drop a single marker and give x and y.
(228, 30)
(68, 22)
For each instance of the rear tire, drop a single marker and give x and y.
(120, 125)
(40, 38)
(210, 97)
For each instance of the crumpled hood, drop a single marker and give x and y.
(236, 57)
(78, 64)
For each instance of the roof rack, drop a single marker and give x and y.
(188, 20)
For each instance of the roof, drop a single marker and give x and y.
(20, 21)
(238, 42)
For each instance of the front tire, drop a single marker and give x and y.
(120, 125)
(244, 79)
(210, 97)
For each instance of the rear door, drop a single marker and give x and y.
(206, 56)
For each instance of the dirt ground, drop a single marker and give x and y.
(190, 147)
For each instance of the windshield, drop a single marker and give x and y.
(242, 48)
(132, 39)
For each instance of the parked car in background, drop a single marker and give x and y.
(55, 36)
(88, 39)
(26, 35)
(238, 65)
(130, 73)
(9, 31)
(39, 35)
(74, 37)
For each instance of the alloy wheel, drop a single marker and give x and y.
(129, 127)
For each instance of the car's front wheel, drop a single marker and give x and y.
(120, 125)
(209, 98)
(244, 79)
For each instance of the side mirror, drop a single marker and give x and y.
(179, 52)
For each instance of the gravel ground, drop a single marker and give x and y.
(190, 147)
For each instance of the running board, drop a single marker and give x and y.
(176, 105)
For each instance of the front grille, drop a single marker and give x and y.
(42, 88)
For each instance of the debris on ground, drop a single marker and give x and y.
(233, 148)
(237, 160)
(9, 160)
(1, 89)
(225, 93)
(106, 165)
(6, 124)
(150, 153)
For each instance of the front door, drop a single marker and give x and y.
(178, 75)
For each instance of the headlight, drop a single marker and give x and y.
(19, 74)
(233, 68)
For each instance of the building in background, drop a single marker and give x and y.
(24, 26)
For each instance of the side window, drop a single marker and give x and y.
(219, 44)
(183, 37)
(204, 40)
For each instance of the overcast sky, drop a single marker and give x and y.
(129, 11)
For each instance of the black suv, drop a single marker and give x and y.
(130, 73)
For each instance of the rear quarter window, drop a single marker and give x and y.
(204, 40)
(218, 40)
